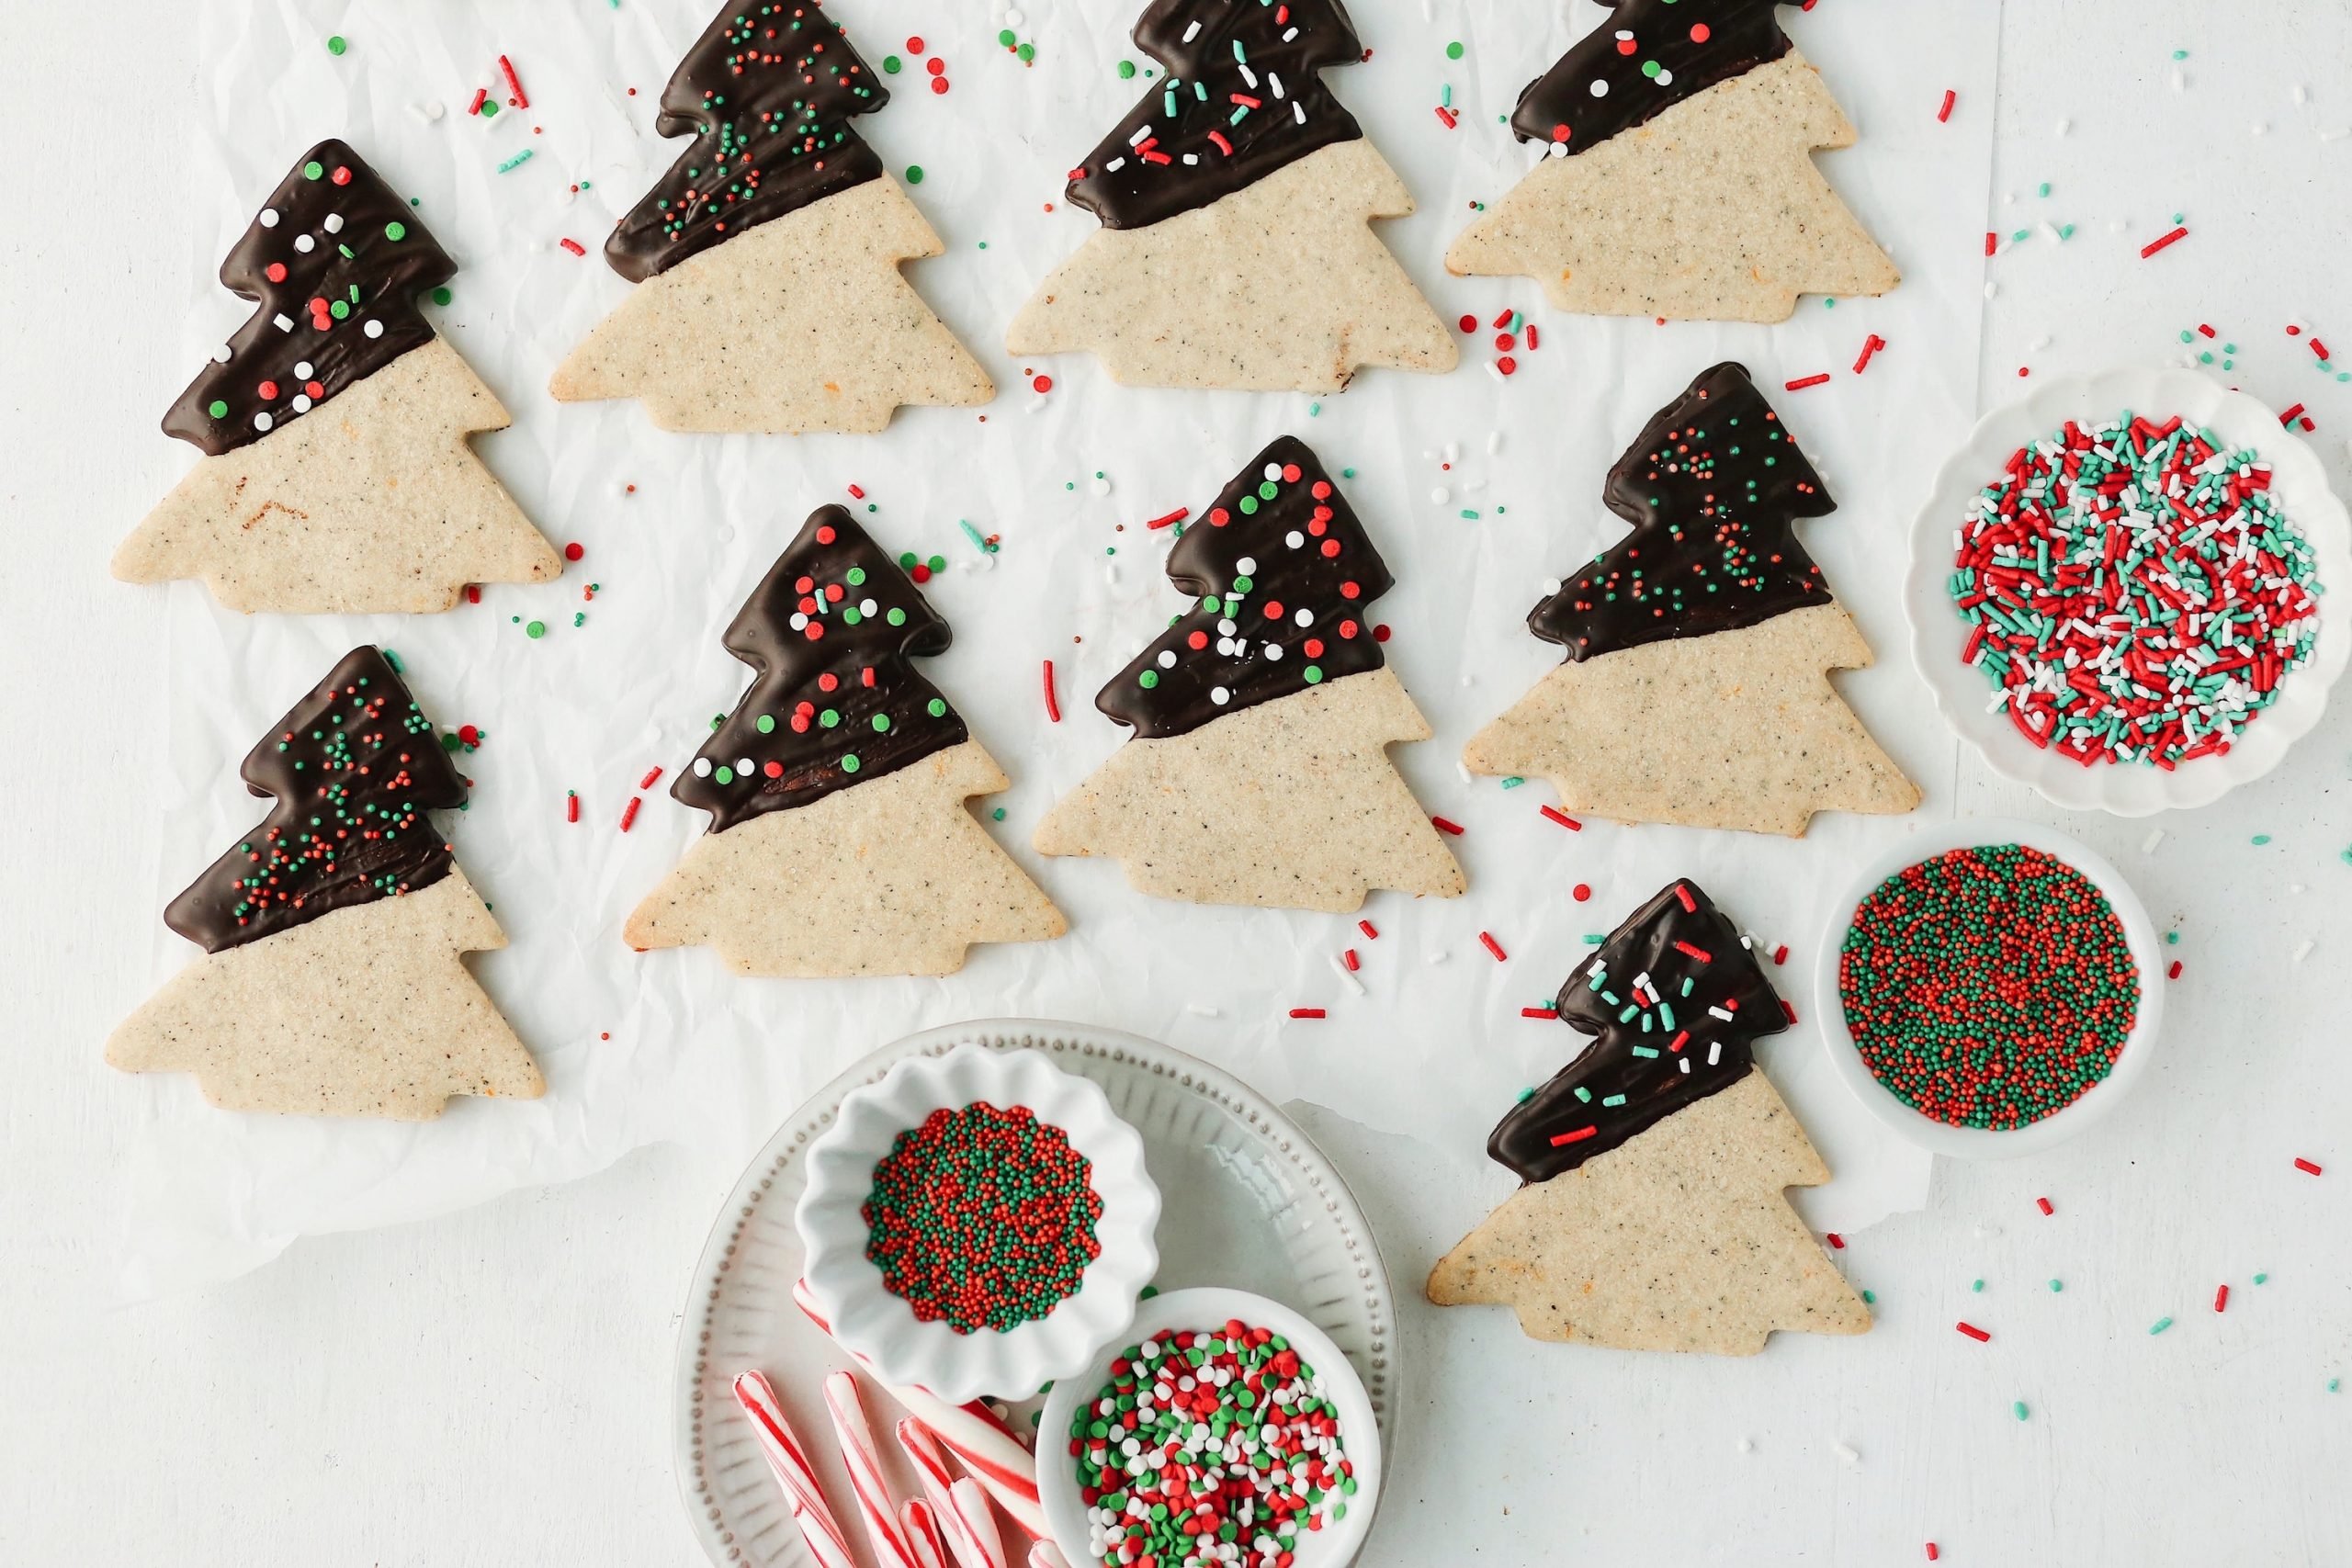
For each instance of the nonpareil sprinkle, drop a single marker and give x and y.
(1207, 1448)
(1988, 986)
(982, 1218)
(2134, 594)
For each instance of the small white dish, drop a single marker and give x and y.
(1209, 1307)
(1940, 633)
(866, 1317)
(1985, 1143)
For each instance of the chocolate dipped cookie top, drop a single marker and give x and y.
(354, 769)
(336, 262)
(1282, 572)
(768, 93)
(1642, 60)
(1242, 97)
(834, 699)
(1713, 486)
(1674, 996)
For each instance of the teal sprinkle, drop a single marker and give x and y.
(1644, 1051)
(516, 162)
(1611, 1101)
(2020, 1409)
(2057, 1285)
(2160, 1326)
(1583, 1094)
(1513, 781)
(2261, 1279)
(1977, 1285)
(2262, 838)
(1870, 1298)
(1594, 939)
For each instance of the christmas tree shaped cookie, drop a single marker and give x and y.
(1236, 202)
(840, 842)
(1681, 180)
(1259, 770)
(1696, 688)
(1655, 1163)
(330, 982)
(766, 260)
(335, 476)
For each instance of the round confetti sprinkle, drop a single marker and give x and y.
(914, 174)
(536, 629)
(337, 44)
(1453, 50)
(1127, 70)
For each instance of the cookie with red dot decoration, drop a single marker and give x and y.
(1696, 686)
(1680, 179)
(379, 506)
(330, 982)
(765, 262)
(840, 842)
(1234, 202)
(1652, 1215)
(1258, 771)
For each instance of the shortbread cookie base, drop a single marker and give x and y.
(1733, 729)
(1280, 286)
(371, 503)
(1292, 804)
(1678, 1240)
(892, 876)
(367, 1011)
(1712, 211)
(800, 323)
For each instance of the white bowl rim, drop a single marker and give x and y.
(870, 1321)
(1924, 843)
(1938, 633)
(1210, 1306)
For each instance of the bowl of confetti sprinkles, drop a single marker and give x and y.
(978, 1222)
(1231, 1431)
(1989, 988)
(2129, 590)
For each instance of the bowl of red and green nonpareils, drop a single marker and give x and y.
(978, 1222)
(1229, 1431)
(2131, 591)
(1989, 988)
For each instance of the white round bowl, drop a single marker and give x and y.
(1211, 1306)
(883, 1327)
(1984, 1143)
(1939, 632)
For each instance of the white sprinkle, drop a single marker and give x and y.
(2303, 94)
(1111, 573)
(702, 767)
(1099, 485)
(1599, 88)
(1246, 567)
(2302, 950)
(269, 218)
(305, 244)
(2065, 126)
(221, 354)
(262, 421)
(1745, 1446)
(1846, 1453)
(1340, 965)
(1193, 32)
(2148, 845)
(1435, 956)
(1715, 1054)
(1168, 658)
(301, 402)
(1114, 165)
(429, 110)
(1438, 497)
(1548, 587)
(1494, 442)
(282, 322)
(333, 224)
(745, 767)
(1202, 1009)
(372, 328)
(1462, 770)
(1992, 290)
(2259, 129)
(2180, 80)
(2338, 134)
(1013, 17)
(301, 368)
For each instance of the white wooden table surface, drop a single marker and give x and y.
(492, 1388)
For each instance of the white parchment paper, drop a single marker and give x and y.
(639, 1048)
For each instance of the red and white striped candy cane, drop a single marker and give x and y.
(985, 1446)
(802, 1497)
(922, 1530)
(972, 1508)
(976, 1545)
(847, 1407)
(1046, 1554)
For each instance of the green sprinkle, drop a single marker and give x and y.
(914, 174)
(998, 814)
(892, 64)
(216, 409)
(337, 44)
(1127, 70)
(442, 296)
(396, 231)
(536, 629)
(490, 109)
(1453, 50)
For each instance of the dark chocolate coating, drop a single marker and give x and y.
(829, 633)
(1569, 1119)
(1280, 542)
(335, 261)
(1243, 81)
(1648, 57)
(354, 769)
(767, 92)
(1712, 487)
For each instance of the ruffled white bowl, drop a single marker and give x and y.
(881, 1326)
(1939, 632)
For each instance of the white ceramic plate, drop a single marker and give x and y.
(1938, 633)
(1984, 1143)
(1211, 1307)
(1250, 1202)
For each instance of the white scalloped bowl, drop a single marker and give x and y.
(2131, 1064)
(1204, 1307)
(1939, 632)
(1016, 1363)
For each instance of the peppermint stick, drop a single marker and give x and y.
(922, 1533)
(847, 1407)
(802, 1497)
(1046, 1554)
(974, 1545)
(971, 1505)
(985, 1446)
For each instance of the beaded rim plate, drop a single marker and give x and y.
(1985, 1143)
(1250, 1203)
(1938, 633)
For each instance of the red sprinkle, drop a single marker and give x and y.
(1789, 1010)
(2042, 1204)
(513, 82)
(1042, 384)
(1836, 1241)
(1533, 343)
(1780, 953)
(628, 812)
(1371, 933)
(1802, 382)
(1973, 1331)
(2209, 331)
(857, 492)
(2172, 971)
(1176, 516)
(2153, 246)
(1306, 1012)
(652, 773)
(1581, 891)
(574, 550)
(574, 246)
(1871, 345)
(1348, 958)
(1053, 706)
(571, 806)
(1944, 114)
(1487, 939)
(1538, 1012)
(1563, 818)
(1446, 116)
(2291, 415)
(481, 95)
(1992, 242)
(2221, 1299)
(473, 592)
(2306, 1166)
(1443, 826)
(1932, 1553)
